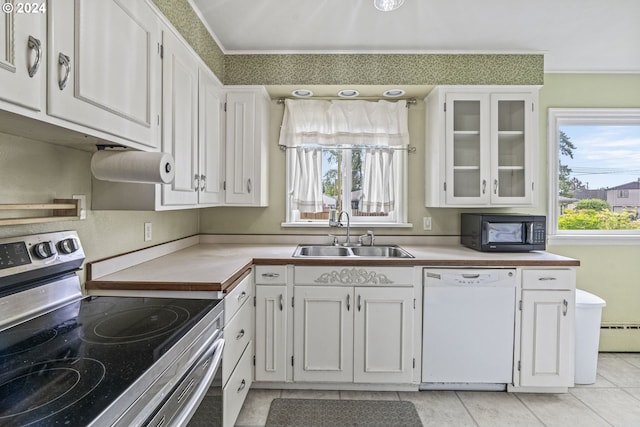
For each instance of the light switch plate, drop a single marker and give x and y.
(426, 223)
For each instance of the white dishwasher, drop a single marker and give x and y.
(468, 328)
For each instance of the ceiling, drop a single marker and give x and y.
(574, 35)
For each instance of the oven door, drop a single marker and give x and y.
(184, 399)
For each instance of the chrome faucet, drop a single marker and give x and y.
(335, 222)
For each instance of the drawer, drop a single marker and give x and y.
(271, 274)
(354, 276)
(237, 335)
(241, 293)
(235, 392)
(548, 279)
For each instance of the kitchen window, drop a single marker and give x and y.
(345, 155)
(594, 187)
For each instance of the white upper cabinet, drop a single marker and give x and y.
(480, 145)
(180, 120)
(103, 68)
(211, 140)
(246, 180)
(22, 56)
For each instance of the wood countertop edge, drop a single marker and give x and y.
(153, 286)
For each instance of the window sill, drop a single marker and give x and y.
(313, 224)
(589, 239)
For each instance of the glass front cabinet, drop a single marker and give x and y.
(480, 146)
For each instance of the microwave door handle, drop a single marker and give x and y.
(529, 232)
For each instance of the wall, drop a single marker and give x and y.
(610, 272)
(37, 172)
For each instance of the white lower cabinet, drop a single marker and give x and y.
(323, 334)
(383, 334)
(359, 334)
(271, 333)
(547, 310)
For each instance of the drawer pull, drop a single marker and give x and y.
(281, 302)
(243, 384)
(565, 307)
(348, 302)
(65, 61)
(270, 275)
(242, 295)
(547, 278)
(240, 334)
(34, 44)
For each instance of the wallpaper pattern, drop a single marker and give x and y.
(372, 69)
(188, 24)
(365, 69)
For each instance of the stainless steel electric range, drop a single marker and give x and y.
(69, 360)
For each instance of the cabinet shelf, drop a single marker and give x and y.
(62, 210)
(510, 168)
(466, 168)
(466, 132)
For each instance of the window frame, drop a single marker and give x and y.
(558, 117)
(400, 163)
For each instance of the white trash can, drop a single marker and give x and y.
(588, 316)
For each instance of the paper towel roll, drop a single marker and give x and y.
(133, 166)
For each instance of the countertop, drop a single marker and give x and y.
(216, 266)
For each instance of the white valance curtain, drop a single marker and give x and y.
(352, 122)
(310, 125)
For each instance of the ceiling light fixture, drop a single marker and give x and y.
(302, 93)
(348, 93)
(387, 5)
(393, 93)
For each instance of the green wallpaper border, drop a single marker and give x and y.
(373, 69)
(188, 23)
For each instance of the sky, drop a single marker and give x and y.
(605, 156)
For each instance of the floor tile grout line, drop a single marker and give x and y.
(598, 414)
(466, 409)
(517, 395)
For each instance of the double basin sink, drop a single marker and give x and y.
(330, 251)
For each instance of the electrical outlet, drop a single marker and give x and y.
(426, 223)
(147, 231)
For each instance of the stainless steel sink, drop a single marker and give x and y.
(326, 251)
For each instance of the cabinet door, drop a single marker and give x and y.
(103, 65)
(22, 50)
(547, 340)
(271, 333)
(246, 154)
(180, 120)
(323, 334)
(211, 139)
(383, 335)
(511, 160)
(467, 149)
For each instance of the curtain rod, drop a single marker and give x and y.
(410, 148)
(410, 101)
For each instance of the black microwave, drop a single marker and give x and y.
(503, 232)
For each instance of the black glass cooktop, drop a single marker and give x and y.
(64, 368)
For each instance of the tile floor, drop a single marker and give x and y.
(614, 400)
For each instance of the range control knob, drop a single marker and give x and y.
(68, 246)
(44, 250)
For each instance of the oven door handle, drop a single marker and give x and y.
(190, 407)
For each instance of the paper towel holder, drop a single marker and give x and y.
(100, 147)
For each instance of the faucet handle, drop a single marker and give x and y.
(335, 239)
(372, 237)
